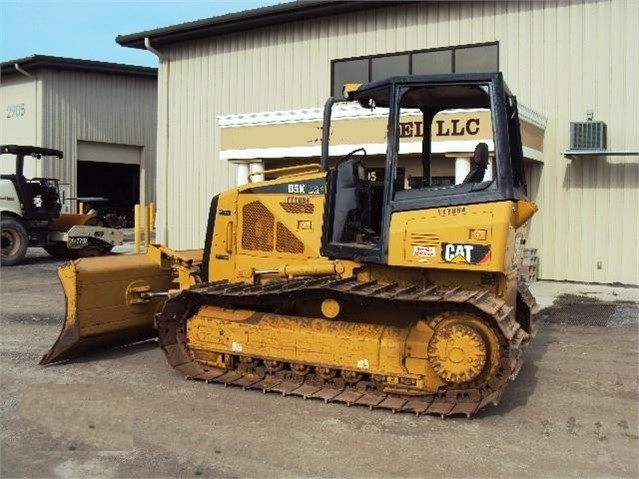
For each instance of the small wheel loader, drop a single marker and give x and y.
(30, 216)
(322, 284)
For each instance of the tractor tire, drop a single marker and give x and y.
(14, 241)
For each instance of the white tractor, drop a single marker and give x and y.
(30, 215)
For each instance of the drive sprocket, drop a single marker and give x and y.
(457, 353)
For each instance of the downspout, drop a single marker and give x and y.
(147, 45)
(23, 71)
(165, 172)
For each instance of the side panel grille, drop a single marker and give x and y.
(257, 227)
(298, 208)
(424, 239)
(287, 242)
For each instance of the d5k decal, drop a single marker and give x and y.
(465, 253)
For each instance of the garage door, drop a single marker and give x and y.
(111, 172)
(108, 153)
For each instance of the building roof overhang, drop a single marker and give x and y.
(247, 20)
(41, 62)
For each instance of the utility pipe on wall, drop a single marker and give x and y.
(165, 135)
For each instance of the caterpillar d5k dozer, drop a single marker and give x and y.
(320, 283)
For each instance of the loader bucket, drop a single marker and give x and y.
(65, 221)
(104, 305)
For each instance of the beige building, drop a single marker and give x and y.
(103, 116)
(268, 70)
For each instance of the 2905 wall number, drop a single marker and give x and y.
(16, 111)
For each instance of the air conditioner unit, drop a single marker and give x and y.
(588, 135)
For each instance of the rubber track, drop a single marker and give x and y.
(171, 325)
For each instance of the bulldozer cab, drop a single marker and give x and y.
(39, 198)
(360, 206)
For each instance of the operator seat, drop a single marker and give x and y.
(352, 201)
(480, 162)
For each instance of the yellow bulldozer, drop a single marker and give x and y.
(397, 294)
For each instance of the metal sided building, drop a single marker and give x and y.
(103, 116)
(243, 92)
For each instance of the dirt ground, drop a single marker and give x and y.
(573, 412)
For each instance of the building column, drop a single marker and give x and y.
(256, 168)
(488, 176)
(462, 168)
(241, 175)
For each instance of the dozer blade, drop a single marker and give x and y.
(105, 304)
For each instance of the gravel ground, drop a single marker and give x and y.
(571, 413)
